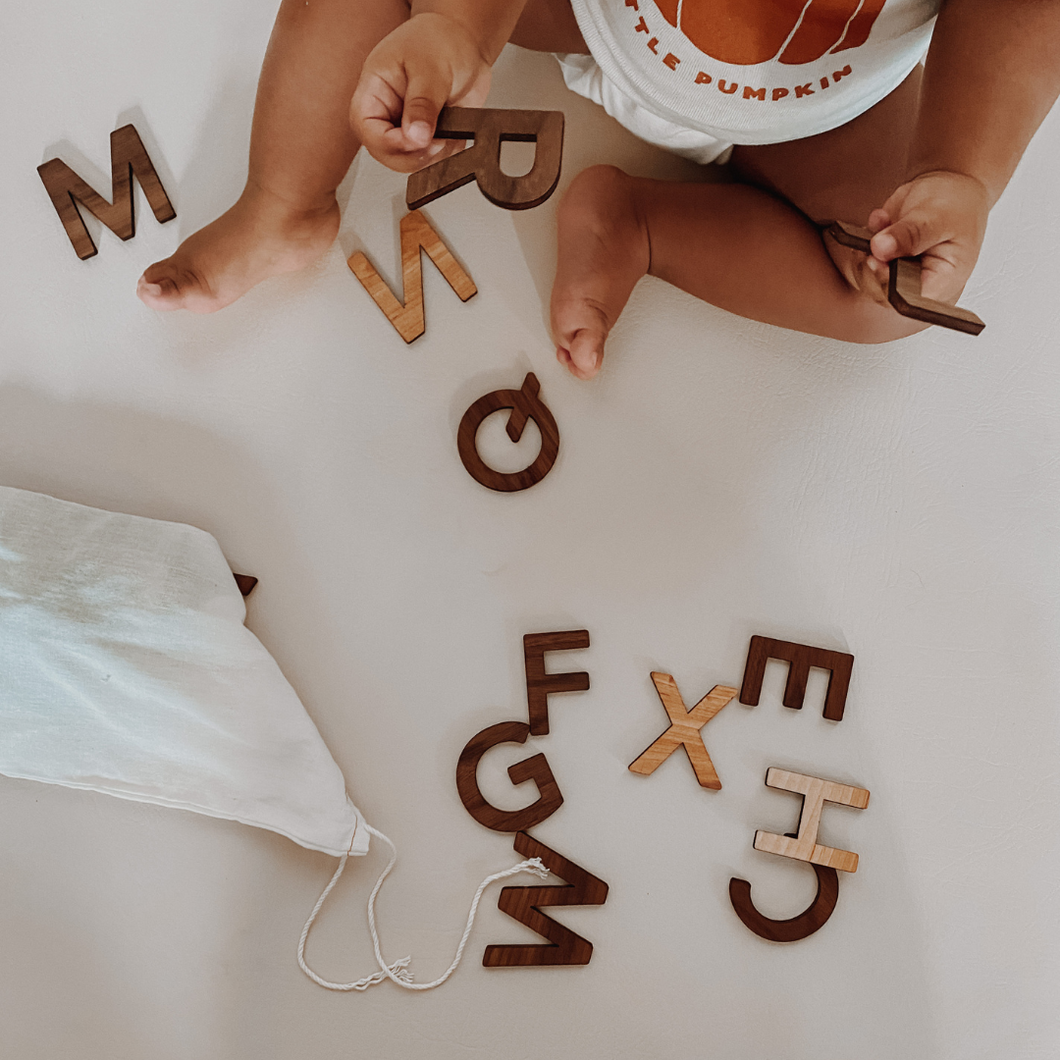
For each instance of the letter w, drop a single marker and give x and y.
(407, 317)
(128, 156)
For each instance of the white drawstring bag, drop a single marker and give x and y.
(125, 668)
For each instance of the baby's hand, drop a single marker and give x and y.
(423, 65)
(939, 217)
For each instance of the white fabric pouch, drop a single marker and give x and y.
(125, 668)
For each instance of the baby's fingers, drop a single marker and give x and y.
(913, 234)
(870, 277)
(424, 98)
(938, 217)
(375, 108)
(376, 117)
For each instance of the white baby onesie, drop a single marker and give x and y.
(697, 76)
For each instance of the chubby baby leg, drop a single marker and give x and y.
(604, 250)
(735, 246)
(748, 247)
(301, 146)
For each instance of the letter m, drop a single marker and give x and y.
(800, 658)
(128, 157)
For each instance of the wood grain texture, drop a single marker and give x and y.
(408, 316)
(246, 583)
(903, 292)
(535, 768)
(525, 404)
(128, 158)
(540, 684)
(685, 730)
(815, 793)
(800, 658)
(798, 927)
(903, 286)
(489, 128)
(525, 903)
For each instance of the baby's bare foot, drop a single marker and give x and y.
(603, 251)
(259, 237)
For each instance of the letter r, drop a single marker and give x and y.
(481, 162)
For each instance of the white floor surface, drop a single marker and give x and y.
(720, 479)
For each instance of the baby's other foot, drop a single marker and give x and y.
(259, 237)
(603, 251)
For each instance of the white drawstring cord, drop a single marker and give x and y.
(397, 972)
(360, 984)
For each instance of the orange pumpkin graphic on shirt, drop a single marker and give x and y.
(743, 32)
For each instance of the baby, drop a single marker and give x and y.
(820, 108)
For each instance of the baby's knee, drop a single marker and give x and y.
(598, 184)
(600, 200)
(602, 195)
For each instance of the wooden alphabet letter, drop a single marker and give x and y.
(539, 684)
(903, 292)
(903, 286)
(800, 657)
(525, 404)
(684, 731)
(798, 927)
(482, 162)
(524, 904)
(128, 156)
(815, 793)
(535, 768)
(407, 317)
(246, 583)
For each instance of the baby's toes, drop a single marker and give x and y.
(165, 287)
(159, 292)
(580, 330)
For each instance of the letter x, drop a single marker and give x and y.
(684, 730)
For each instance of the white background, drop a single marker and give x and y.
(719, 479)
